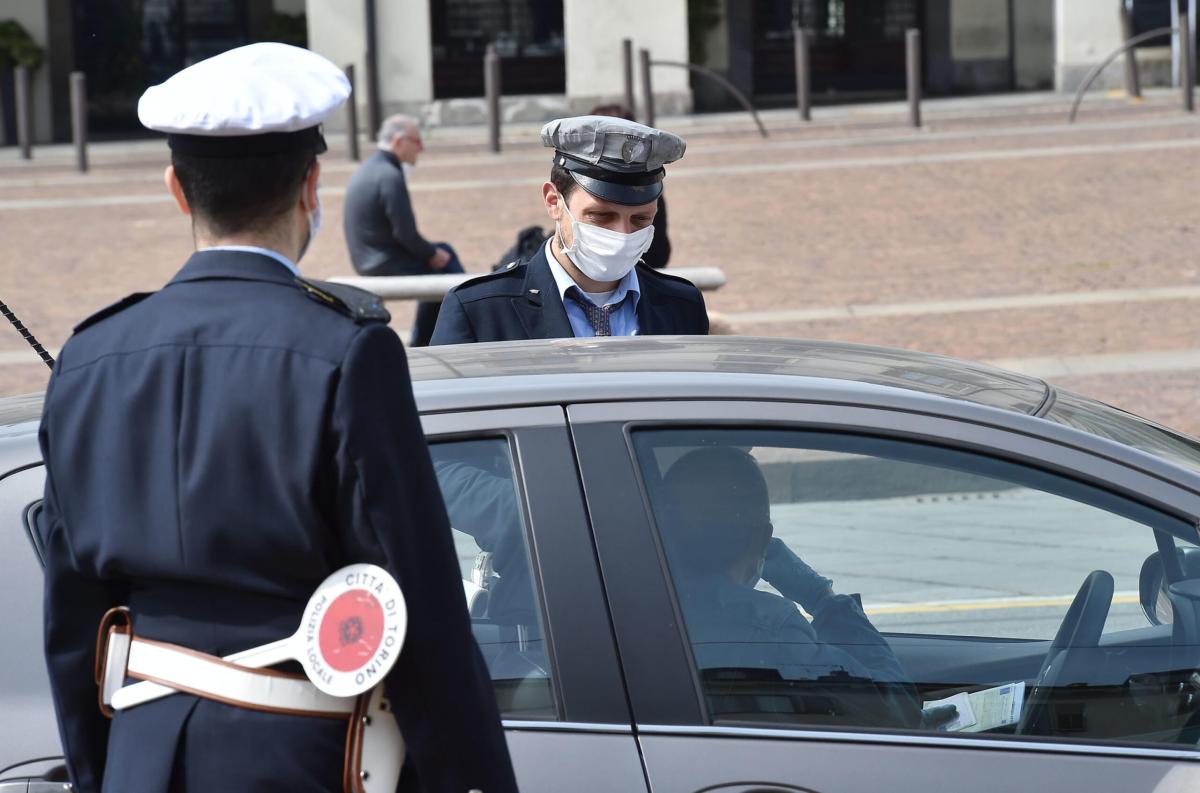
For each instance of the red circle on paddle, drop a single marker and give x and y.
(351, 630)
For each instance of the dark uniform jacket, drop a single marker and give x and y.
(522, 302)
(381, 230)
(213, 451)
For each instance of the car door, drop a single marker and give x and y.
(512, 491)
(958, 547)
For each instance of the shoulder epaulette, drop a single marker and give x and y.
(358, 304)
(658, 273)
(499, 274)
(115, 308)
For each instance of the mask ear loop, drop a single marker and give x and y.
(562, 244)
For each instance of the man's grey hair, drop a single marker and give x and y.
(393, 127)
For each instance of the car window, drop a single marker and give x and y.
(480, 490)
(865, 582)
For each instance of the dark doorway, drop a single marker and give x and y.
(528, 35)
(125, 46)
(858, 46)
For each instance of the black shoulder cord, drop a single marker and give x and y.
(25, 334)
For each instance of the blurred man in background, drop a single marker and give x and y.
(381, 230)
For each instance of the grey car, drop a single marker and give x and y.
(1013, 570)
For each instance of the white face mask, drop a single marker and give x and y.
(602, 254)
(314, 225)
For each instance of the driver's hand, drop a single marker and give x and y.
(788, 573)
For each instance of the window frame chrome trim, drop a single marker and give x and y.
(567, 726)
(463, 422)
(932, 741)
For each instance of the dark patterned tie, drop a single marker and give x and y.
(597, 316)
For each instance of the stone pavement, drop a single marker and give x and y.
(995, 232)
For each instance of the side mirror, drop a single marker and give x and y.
(1152, 583)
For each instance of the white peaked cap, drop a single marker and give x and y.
(253, 90)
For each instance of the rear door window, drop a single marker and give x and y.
(482, 498)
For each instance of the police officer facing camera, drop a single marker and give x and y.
(586, 280)
(216, 449)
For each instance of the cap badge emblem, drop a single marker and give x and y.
(633, 150)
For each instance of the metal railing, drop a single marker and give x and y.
(1185, 49)
(435, 287)
(647, 63)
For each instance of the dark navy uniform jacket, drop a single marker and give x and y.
(522, 302)
(213, 451)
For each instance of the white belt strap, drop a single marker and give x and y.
(210, 677)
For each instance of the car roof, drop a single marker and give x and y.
(714, 356)
(722, 367)
(20, 409)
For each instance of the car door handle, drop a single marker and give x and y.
(750, 787)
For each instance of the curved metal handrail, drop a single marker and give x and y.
(730, 87)
(1096, 70)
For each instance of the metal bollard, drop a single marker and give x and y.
(491, 89)
(1185, 60)
(913, 64)
(803, 73)
(352, 117)
(1133, 82)
(24, 112)
(79, 130)
(647, 88)
(627, 62)
(371, 60)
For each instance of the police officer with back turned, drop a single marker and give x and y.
(214, 450)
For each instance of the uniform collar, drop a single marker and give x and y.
(238, 263)
(276, 255)
(627, 285)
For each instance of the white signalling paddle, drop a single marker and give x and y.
(348, 640)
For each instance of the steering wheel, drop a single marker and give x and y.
(1080, 629)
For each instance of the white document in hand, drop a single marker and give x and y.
(997, 707)
(965, 714)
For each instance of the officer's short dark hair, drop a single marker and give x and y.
(236, 194)
(562, 180)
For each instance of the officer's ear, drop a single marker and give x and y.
(553, 200)
(175, 188)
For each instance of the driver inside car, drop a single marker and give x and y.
(715, 521)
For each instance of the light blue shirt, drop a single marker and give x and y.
(276, 255)
(622, 322)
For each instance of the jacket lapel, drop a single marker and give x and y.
(539, 307)
(653, 318)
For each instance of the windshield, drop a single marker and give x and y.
(1114, 424)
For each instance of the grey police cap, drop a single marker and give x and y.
(613, 159)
